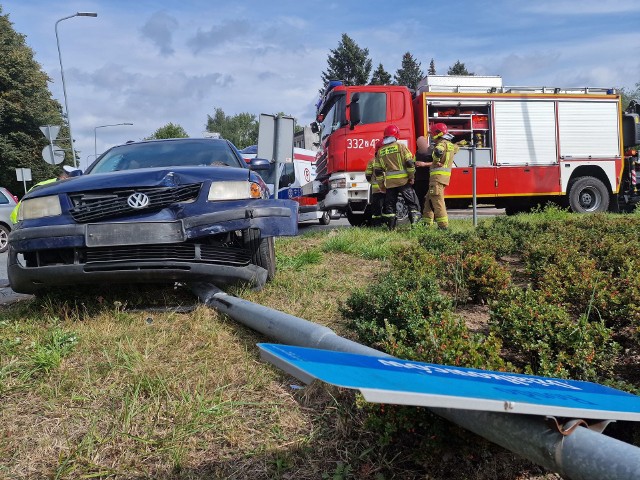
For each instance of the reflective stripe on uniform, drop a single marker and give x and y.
(440, 171)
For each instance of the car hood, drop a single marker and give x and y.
(144, 177)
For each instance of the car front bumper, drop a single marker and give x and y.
(159, 251)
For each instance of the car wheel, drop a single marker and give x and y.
(325, 219)
(4, 238)
(264, 251)
(588, 195)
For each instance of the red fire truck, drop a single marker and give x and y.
(531, 145)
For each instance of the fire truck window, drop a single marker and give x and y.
(334, 118)
(373, 107)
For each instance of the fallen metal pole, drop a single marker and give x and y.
(582, 455)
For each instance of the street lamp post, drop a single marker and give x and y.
(64, 88)
(95, 134)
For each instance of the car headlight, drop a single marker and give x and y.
(234, 190)
(39, 207)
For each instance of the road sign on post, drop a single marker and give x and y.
(404, 382)
(23, 175)
(275, 142)
(50, 132)
(52, 154)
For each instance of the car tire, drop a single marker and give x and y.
(4, 238)
(356, 219)
(264, 251)
(325, 219)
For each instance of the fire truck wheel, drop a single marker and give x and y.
(325, 219)
(264, 251)
(402, 212)
(588, 195)
(356, 219)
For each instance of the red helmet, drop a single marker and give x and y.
(438, 129)
(391, 131)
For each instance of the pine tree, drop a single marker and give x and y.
(380, 76)
(409, 74)
(458, 68)
(432, 68)
(348, 63)
(26, 104)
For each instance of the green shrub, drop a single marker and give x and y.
(484, 276)
(545, 340)
(403, 299)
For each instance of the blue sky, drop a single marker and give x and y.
(150, 62)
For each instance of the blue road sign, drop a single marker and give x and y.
(394, 381)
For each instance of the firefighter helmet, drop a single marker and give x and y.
(438, 129)
(391, 131)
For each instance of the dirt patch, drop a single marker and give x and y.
(476, 317)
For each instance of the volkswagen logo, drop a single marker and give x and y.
(138, 200)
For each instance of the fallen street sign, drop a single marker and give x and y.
(403, 382)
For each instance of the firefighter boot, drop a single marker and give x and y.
(391, 222)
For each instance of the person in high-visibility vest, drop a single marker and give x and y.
(395, 170)
(63, 174)
(439, 176)
(377, 196)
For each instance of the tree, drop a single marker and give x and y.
(458, 68)
(170, 130)
(26, 104)
(432, 68)
(348, 63)
(628, 95)
(409, 74)
(380, 76)
(240, 129)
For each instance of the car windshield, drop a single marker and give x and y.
(170, 153)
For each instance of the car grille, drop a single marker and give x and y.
(188, 252)
(91, 206)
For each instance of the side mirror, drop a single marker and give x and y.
(354, 111)
(314, 127)
(259, 164)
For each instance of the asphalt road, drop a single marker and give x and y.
(3, 268)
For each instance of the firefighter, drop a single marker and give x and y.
(439, 176)
(394, 170)
(377, 196)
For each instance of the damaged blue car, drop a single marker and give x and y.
(179, 210)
